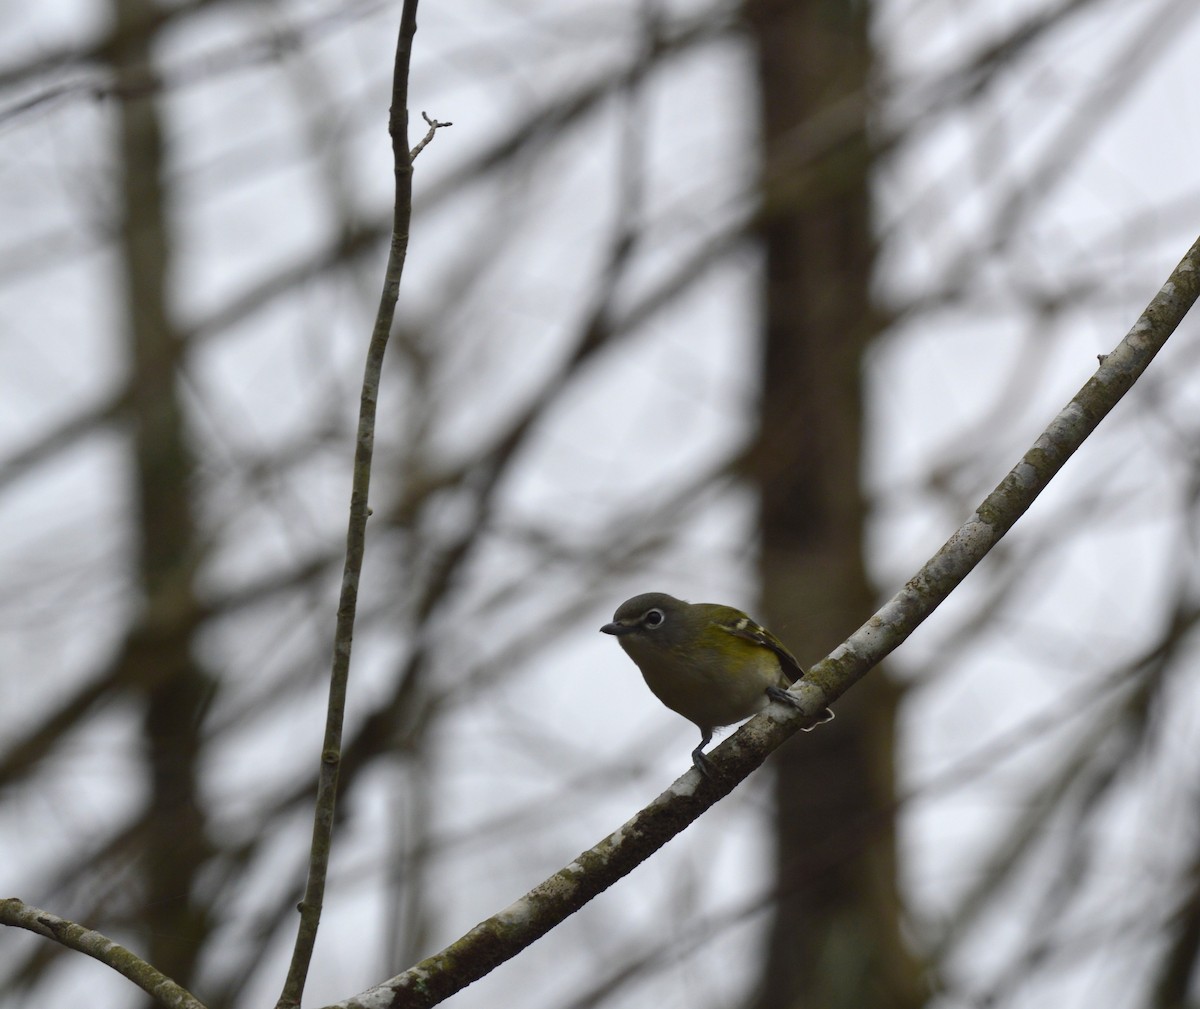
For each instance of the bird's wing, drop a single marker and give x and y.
(741, 626)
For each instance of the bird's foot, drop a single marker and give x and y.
(704, 765)
(787, 697)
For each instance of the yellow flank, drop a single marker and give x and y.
(720, 681)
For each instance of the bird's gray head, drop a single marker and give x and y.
(652, 615)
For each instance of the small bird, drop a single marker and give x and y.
(708, 662)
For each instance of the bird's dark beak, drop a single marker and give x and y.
(615, 628)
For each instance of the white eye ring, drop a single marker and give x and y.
(654, 618)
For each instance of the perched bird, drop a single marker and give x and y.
(710, 663)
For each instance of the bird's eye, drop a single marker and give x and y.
(653, 618)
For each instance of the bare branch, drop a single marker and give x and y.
(434, 126)
(506, 933)
(331, 749)
(100, 947)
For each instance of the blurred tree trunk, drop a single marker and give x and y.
(835, 938)
(157, 664)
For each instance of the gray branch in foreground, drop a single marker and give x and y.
(102, 948)
(506, 933)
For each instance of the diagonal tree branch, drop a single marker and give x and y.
(506, 933)
(120, 959)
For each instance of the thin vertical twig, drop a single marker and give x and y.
(331, 750)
